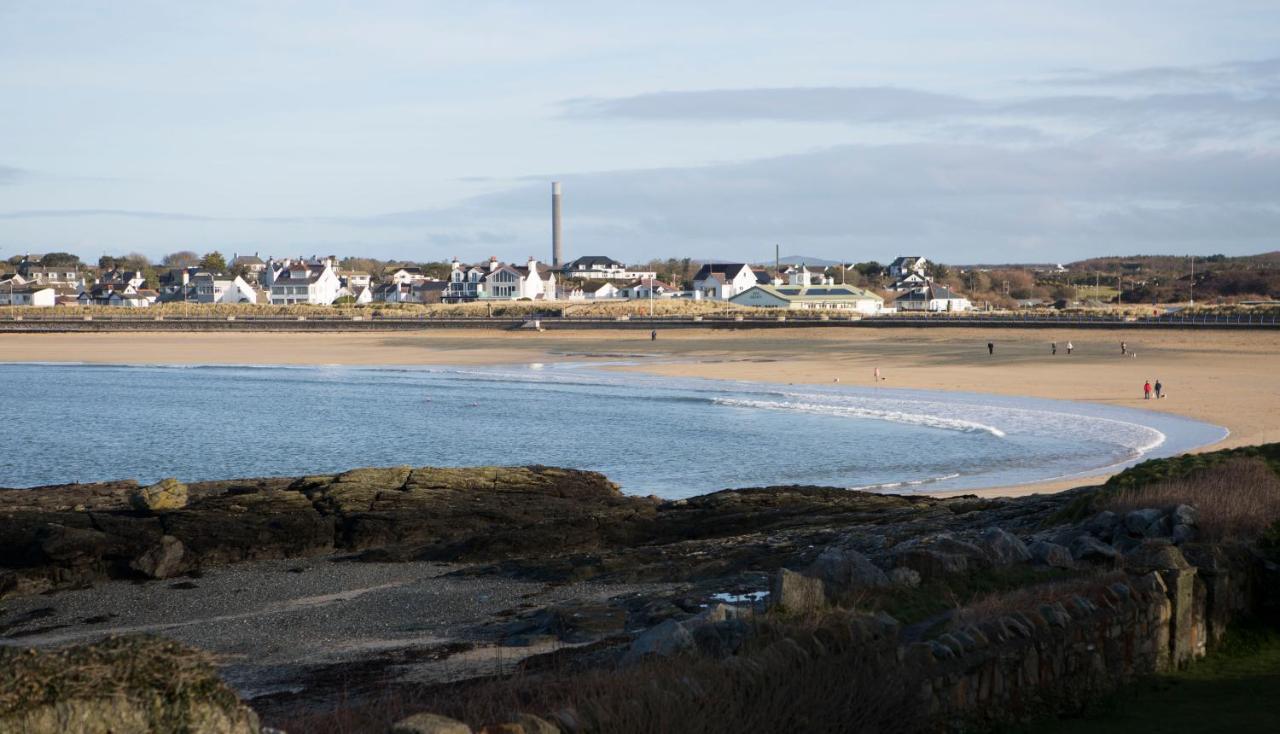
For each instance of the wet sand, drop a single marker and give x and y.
(1227, 378)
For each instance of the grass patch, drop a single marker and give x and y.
(159, 674)
(1236, 689)
(1237, 498)
(1178, 467)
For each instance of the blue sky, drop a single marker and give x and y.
(967, 132)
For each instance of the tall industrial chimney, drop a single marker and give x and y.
(556, 242)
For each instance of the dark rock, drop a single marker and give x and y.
(1185, 515)
(1183, 534)
(721, 639)
(845, 569)
(1091, 550)
(667, 639)
(1137, 521)
(1102, 525)
(1003, 548)
(1051, 554)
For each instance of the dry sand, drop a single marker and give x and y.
(1229, 378)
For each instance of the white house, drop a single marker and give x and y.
(905, 265)
(648, 288)
(303, 282)
(431, 291)
(355, 279)
(219, 288)
(408, 275)
(501, 281)
(723, 281)
(580, 290)
(601, 267)
(795, 297)
(33, 294)
(932, 297)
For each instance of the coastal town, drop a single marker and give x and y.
(907, 284)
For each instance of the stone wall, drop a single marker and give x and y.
(1165, 613)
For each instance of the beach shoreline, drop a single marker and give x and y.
(1202, 385)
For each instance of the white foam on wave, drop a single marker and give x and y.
(894, 416)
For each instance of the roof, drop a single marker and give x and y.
(248, 260)
(814, 293)
(905, 260)
(931, 292)
(593, 261)
(729, 271)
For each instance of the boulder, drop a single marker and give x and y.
(162, 561)
(1185, 515)
(721, 639)
(667, 639)
(166, 495)
(1003, 548)
(1137, 521)
(429, 724)
(903, 576)
(1159, 528)
(798, 593)
(1051, 554)
(845, 569)
(1091, 550)
(1183, 534)
(1102, 525)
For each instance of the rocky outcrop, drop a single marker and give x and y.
(125, 685)
(73, 535)
(166, 495)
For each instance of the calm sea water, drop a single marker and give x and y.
(674, 438)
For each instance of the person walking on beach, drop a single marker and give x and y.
(1069, 347)
(653, 335)
(1053, 348)
(1124, 349)
(1146, 390)
(1159, 389)
(991, 348)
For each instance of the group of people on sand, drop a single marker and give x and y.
(1149, 389)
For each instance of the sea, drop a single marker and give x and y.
(653, 435)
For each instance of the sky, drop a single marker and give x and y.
(968, 132)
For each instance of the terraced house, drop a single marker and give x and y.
(500, 281)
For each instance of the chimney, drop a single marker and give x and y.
(556, 241)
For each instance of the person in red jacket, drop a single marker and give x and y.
(1146, 391)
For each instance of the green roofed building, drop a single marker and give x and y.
(834, 297)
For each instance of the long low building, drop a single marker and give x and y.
(793, 297)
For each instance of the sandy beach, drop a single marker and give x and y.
(1226, 378)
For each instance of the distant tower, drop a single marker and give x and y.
(556, 242)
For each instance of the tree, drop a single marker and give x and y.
(106, 262)
(214, 262)
(58, 259)
(180, 259)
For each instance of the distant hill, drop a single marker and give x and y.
(817, 262)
